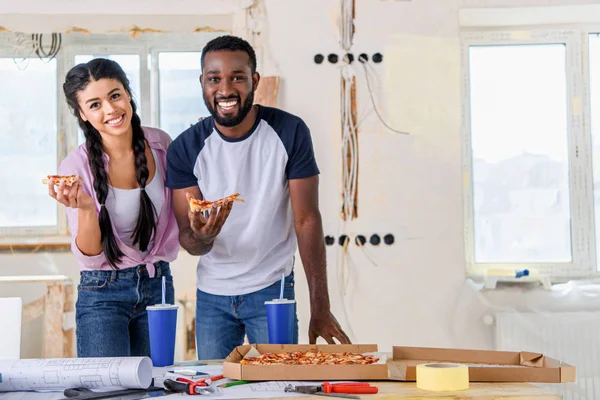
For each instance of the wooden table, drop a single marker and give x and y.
(390, 390)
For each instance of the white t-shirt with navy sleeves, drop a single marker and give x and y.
(258, 241)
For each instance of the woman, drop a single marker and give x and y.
(119, 213)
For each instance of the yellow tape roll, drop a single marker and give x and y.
(442, 377)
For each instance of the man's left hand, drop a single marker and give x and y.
(325, 325)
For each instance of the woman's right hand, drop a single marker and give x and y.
(72, 196)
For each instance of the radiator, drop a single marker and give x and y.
(572, 337)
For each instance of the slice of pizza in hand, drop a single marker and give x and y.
(233, 197)
(203, 205)
(198, 205)
(58, 179)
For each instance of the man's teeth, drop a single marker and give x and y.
(227, 104)
(115, 121)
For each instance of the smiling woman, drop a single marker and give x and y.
(122, 169)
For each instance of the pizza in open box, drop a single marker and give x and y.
(310, 358)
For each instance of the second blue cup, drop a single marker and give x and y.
(280, 320)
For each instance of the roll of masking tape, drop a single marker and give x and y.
(442, 377)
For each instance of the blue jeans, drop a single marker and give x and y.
(111, 312)
(222, 321)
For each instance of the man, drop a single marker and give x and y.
(266, 155)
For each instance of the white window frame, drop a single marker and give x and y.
(173, 47)
(583, 263)
(146, 46)
(33, 234)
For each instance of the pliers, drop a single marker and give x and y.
(184, 385)
(343, 389)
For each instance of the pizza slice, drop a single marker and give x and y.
(58, 179)
(199, 205)
(203, 205)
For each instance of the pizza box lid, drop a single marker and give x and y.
(484, 365)
(234, 370)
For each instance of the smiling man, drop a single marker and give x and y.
(265, 154)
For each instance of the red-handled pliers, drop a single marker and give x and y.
(342, 389)
(348, 387)
(184, 385)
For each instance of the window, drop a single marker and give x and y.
(526, 201)
(38, 129)
(520, 153)
(29, 150)
(180, 104)
(594, 90)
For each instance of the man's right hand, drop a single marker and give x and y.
(206, 229)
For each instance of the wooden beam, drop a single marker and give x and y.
(33, 310)
(53, 320)
(267, 90)
(68, 332)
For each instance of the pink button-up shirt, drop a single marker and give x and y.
(166, 240)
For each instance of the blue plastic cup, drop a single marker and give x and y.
(162, 323)
(280, 320)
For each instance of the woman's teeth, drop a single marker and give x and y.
(115, 121)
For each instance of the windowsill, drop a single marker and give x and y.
(35, 244)
(479, 275)
(518, 284)
(573, 296)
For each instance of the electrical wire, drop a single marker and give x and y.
(375, 108)
(349, 146)
(55, 45)
(346, 24)
(368, 255)
(24, 47)
(34, 42)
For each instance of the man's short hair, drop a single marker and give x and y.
(230, 43)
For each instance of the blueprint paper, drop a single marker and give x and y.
(31, 396)
(57, 374)
(261, 390)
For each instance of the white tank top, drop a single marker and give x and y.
(124, 206)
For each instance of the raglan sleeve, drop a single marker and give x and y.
(180, 166)
(301, 162)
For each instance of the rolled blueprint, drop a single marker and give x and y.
(63, 373)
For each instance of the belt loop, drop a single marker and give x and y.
(113, 276)
(158, 272)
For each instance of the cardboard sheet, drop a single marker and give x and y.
(484, 365)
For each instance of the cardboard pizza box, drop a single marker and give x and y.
(484, 365)
(234, 370)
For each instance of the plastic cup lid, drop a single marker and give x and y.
(163, 307)
(280, 301)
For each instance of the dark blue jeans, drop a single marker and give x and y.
(111, 312)
(222, 321)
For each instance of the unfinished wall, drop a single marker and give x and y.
(410, 186)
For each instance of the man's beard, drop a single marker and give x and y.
(231, 120)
